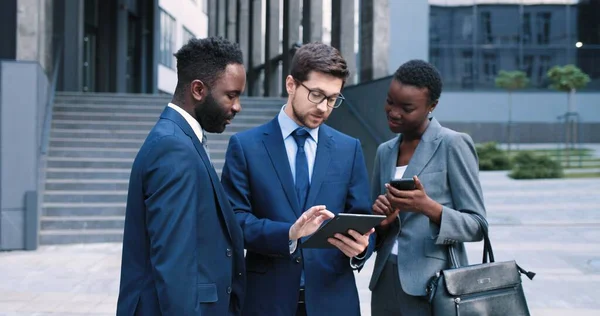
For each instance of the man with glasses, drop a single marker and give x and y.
(274, 172)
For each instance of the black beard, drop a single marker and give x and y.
(211, 116)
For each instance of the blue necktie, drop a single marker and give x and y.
(302, 177)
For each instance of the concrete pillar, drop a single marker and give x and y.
(155, 46)
(231, 21)
(255, 46)
(243, 26)
(221, 17)
(410, 29)
(374, 39)
(342, 32)
(24, 86)
(120, 64)
(34, 32)
(271, 83)
(71, 73)
(291, 36)
(212, 17)
(312, 20)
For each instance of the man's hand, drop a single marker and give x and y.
(309, 222)
(354, 246)
(382, 206)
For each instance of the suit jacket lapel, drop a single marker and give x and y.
(388, 163)
(275, 147)
(322, 159)
(425, 150)
(172, 115)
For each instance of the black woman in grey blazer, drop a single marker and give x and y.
(412, 243)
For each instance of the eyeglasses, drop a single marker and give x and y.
(315, 96)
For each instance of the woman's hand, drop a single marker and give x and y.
(414, 201)
(383, 207)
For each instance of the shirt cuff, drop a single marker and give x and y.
(354, 264)
(293, 246)
(360, 257)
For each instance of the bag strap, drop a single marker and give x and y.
(488, 253)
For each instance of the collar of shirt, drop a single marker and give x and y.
(190, 120)
(288, 126)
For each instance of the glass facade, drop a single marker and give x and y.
(472, 40)
(167, 39)
(187, 35)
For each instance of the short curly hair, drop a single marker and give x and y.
(421, 74)
(318, 57)
(206, 59)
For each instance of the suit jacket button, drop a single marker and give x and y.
(298, 259)
(229, 252)
(229, 290)
(240, 274)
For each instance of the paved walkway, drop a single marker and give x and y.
(551, 227)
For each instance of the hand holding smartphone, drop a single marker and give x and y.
(403, 184)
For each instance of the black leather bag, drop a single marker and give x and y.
(491, 288)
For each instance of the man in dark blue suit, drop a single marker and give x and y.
(183, 250)
(276, 171)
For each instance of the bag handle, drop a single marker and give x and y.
(488, 253)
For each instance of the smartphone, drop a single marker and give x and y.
(403, 184)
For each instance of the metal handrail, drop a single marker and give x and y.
(45, 140)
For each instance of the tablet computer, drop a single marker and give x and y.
(341, 223)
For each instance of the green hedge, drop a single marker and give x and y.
(492, 158)
(531, 166)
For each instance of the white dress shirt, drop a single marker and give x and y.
(190, 120)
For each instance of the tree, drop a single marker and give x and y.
(511, 81)
(568, 79)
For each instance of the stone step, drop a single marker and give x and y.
(136, 107)
(129, 125)
(85, 196)
(102, 163)
(109, 152)
(99, 173)
(76, 236)
(87, 184)
(83, 209)
(116, 144)
(146, 117)
(110, 137)
(88, 173)
(82, 222)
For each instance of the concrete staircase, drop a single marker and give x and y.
(93, 141)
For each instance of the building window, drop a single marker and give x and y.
(486, 27)
(167, 37)
(544, 66)
(528, 65)
(473, 40)
(467, 75)
(187, 35)
(526, 28)
(489, 67)
(543, 27)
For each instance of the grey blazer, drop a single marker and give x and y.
(447, 165)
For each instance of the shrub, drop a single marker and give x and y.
(527, 165)
(492, 158)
